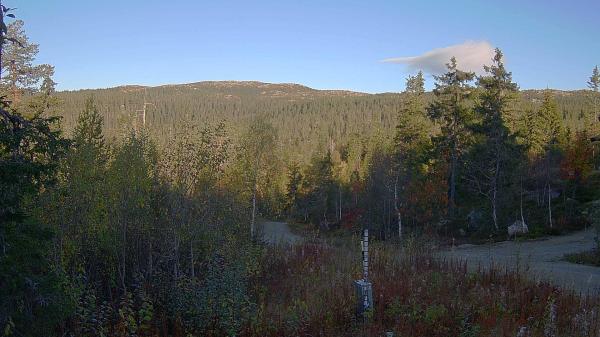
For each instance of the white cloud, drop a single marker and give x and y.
(470, 56)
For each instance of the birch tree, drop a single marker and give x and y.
(193, 164)
(256, 154)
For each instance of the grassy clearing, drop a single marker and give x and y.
(307, 290)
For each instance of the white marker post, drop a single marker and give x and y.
(364, 290)
(365, 251)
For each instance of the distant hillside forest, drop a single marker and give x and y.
(307, 119)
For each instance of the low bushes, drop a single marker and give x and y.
(307, 290)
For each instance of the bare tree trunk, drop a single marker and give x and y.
(494, 202)
(176, 258)
(452, 191)
(389, 213)
(150, 263)
(596, 114)
(13, 82)
(384, 219)
(397, 209)
(340, 197)
(494, 214)
(495, 184)
(521, 201)
(192, 272)
(254, 189)
(548, 188)
(399, 224)
(549, 205)
(253, 221)
(123, 253)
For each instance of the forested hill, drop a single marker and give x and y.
(306, 118)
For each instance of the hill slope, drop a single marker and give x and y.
(306, 118)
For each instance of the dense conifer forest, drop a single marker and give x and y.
(307, 119)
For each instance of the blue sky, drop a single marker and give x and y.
(321, 44)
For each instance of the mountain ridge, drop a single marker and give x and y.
(230, 84)
(227, 84)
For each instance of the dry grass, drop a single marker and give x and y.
(590, 258)
(307, 290)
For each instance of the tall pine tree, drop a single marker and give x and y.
(19, 74)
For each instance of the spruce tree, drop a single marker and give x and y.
(495, 151)
(76, 206)
(293, 186)
(410, 139)
(319, 184)
(411, 128)
(594, 85)
(450, 109)
(88, 130)
(553, 137)
(529, 131)
(552, 125)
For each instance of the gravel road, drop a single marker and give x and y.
(539, 259)
(278, 233)
(542, 259)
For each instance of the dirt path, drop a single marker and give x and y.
(278, 233)
(541, 259)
